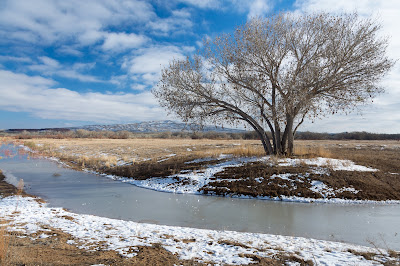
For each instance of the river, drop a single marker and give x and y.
(87, 193)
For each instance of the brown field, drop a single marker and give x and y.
(138, 149)
(110, 152)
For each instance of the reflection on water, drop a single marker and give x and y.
(97, 195)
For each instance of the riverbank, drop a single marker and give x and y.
(321, 171)
(55, 236)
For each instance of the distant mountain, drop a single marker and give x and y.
(154, 126)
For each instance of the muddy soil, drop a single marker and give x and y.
(370, 185)
(32, 250)
(257, 179)
(147, 169)
(7, 189)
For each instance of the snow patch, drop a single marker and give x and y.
(334, 164)
(185, 182)
(321, 188)
(220, 247)
(259, 179)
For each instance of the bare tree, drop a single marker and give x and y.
(273, 73)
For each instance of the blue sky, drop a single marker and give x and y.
(69, 63)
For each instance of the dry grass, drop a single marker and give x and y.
(246, 150)
(53, 250)
(4, 243)
(103, 154)
(5, 236)
(138, 150)
(109, 152)
(311, 151)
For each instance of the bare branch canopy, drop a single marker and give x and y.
(274, 72)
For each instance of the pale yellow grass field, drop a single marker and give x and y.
(323, 148)
(110, 152)
(136, 150)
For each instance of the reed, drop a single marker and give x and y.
(20, 189)
(245, 151)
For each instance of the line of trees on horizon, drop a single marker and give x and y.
(247, 135)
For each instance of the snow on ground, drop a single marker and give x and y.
(221, 247)
(192, 181)
(167, 157)
(334, 164)
(186, 182)
(318, 200)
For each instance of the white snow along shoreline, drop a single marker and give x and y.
(191, 182)
(220, 247)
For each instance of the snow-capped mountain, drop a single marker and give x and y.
(155, 126)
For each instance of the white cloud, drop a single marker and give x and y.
(364, 7)
(253, 8)
(178, 23)
(49, 62)
(147, 63)
(258, 8)
(202, 3)
(51, 67)
(121, 41)
(33, 94)
(68, 50)
(119, 80)
(138, 87)
(83, 66)
(90, 37)
(15, 59)
(374, 119)
(48, 21)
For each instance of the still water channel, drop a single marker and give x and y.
(91, 194)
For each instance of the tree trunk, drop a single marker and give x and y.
(260, 130)
(287, 136)
(266, 143)
(284, 140)
(290, 136)
(278, 148)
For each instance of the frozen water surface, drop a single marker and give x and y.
(86, 193)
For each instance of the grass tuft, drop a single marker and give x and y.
(246, 151)
(311, 151)
(4, 243)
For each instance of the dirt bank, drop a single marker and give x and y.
(351, 173)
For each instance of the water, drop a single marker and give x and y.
(91, 194)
